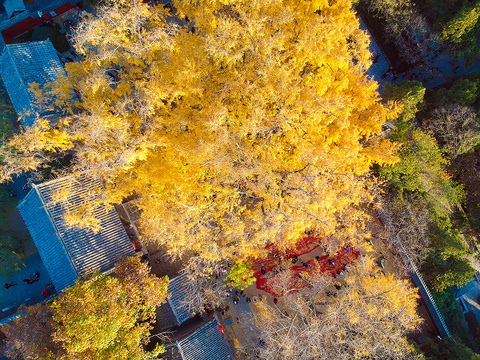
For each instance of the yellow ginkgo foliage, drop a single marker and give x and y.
(238, 123)
(366, 315)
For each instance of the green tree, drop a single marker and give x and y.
(462, 92)
(241, 275)
(448, 243)
(449, 272)
(461, 26)
(409, 96)
(448, 349)
(452, 314)
(422, 172)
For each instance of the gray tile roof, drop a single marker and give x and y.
(181, 288)
(71, 252)
(165, 317)
(49, 246)
(205, 343)
(175, 311)
(24, 64)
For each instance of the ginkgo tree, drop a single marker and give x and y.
(236, 123)
(365, 316)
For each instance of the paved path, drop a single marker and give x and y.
(381, 66)
(442, 67)
(23, 293)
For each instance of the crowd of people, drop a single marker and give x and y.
(294, 260)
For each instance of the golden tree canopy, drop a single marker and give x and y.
(367, 317)
(246, 123)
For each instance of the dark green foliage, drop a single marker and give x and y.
(7, 114)
(463, 23)
(6, 123)
(422, 172)
(6, 203)
(450, 272)
(94, 3)
(408, 94)
(11, 255)
(59, 41)
(473, 325)
(463, 92)
(58, 164)
(457, 21)
(43, 33)
(448, 243)
(463, 29)
(448, 349)
(446, 266)
(452, 315)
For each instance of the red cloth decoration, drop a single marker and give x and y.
(299, 273)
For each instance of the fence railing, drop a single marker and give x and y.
(416, 276)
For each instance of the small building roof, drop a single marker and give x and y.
(205, 343)
(69, 253)
(25, 64)
(13, 5)
(175, 311)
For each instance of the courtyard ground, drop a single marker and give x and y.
(239, 322)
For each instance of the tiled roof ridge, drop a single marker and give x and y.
(15, 69)
(175, 281)
(179, 347)
(206, 342)
(53, 181)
